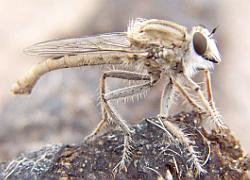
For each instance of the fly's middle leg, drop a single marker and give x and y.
(166, 98)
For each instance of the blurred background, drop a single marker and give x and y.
(63, 107)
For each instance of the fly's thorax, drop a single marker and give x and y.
(173, 54)
(155, 57)
(142, 33)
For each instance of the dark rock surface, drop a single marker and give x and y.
(154, 156)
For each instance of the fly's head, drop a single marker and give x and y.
(202, 51)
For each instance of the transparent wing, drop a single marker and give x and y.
(100, 43)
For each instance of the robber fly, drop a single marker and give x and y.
(151, 50)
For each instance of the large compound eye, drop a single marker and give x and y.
(199, 43)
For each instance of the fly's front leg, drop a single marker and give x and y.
(213, 114)
(207, 79)
(211, 101)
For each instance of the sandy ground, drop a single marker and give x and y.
(54, 113)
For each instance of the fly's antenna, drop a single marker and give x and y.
(213, 31)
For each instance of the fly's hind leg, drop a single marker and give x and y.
(112, 74)
(111, 115)
(116, 119)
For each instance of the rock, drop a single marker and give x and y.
(155, 155)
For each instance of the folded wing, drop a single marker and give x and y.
(117, 42)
